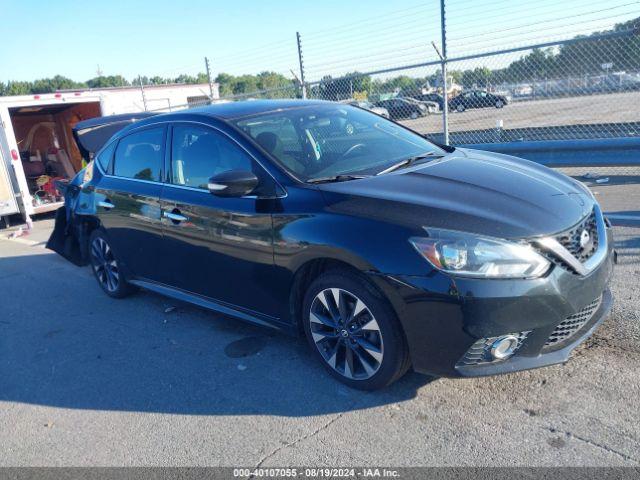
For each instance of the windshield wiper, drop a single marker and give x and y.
(409, 161)
(336, 178)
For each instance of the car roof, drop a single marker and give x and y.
(245, 108)
(227, 111)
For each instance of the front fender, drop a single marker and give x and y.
(365, 244)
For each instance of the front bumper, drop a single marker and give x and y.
(546, 357)
(443, 317)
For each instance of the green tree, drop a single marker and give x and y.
(225, 83)
(109, 81)
(18, 88)
(157, 80)
(49, 85)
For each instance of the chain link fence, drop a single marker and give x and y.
(505, 79)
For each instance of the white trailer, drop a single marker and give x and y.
(36, 142)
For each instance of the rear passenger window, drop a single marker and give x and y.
(139, 155)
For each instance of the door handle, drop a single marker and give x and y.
(106, 204)
(174, 217)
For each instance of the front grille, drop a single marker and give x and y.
(567, 328)
(570, 239)
(480, 352)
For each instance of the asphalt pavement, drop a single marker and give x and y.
(547, 112)
(86, 380)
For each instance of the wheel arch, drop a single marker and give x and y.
(84, 227)
(311, 269)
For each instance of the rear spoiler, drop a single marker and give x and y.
(91, 135)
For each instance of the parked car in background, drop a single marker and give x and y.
(386, 250)
(399, 108)
(477, 99)
(431, 97)
(432, 107)
(383, 112)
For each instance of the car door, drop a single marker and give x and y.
(484, 99)
(403, 109)
(390, 105)
(470, 100)
(217, 247)
(128, 199)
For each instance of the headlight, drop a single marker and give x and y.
(474, 256)
(587, 191)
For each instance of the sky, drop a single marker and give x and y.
(166, 38)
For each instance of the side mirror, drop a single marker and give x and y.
(233, 183)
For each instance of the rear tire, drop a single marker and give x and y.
(413, 115)
(106, 267)
(460, 108)
(353, 331)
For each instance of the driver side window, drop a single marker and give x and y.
(199, 153)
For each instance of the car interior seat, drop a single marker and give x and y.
(272, 144)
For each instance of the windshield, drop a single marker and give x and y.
(329, 140)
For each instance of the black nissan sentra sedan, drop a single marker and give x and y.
(386, 251)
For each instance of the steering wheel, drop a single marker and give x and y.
(353, 148)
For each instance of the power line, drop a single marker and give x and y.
(374, 62)
(506, 11)
(541, 22)
(256, 52)
(365, 21)
(389, 28)
(519, 34)
(418, 32)
(394, 53)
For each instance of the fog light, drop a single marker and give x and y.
(504, 347)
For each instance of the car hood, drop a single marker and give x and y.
(468, 190)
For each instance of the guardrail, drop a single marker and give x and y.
(591, 131)
(571, 153)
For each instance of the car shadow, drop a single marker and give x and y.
(64, 343)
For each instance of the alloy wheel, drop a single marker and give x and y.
(346, 334)
(105, 265)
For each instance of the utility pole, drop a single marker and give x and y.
(445, 87)
(99, 71)
(206, 63)
(303, 85)
(144, 98)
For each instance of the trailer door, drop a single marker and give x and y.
(8, 204)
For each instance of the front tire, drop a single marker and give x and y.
(460, 108)
(106, 267)
(499, 104)
(354, 332)
(413, 115)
